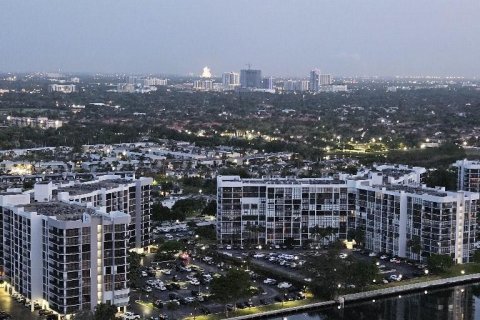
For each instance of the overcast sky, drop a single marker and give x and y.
(281, 37)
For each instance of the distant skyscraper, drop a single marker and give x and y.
(250, 78)
(230, 80)
(267, 83)
(314, 80)
(325, 79)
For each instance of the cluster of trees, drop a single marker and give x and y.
(183, 208)
(332, 274)
(231, 287)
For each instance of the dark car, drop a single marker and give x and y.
(249, 303)
(195, 293)
(205, 310)
(159, 304)
(240, 305)
(173, 296)
(279, 298)
(169, 287)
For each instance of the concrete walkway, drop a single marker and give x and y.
(366, 296)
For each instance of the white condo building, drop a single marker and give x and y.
(398, 215)
(65, 257)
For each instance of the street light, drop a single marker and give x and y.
(426, 272)
(462, 272)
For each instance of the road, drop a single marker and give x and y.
(15, 309)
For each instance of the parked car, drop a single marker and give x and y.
(130, 316)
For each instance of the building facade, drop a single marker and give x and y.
(405, 219)
(468, 175)
(230, 80)
(250, 78)
(314, 80)
(269, 211)
(108, 193)
(66, 257)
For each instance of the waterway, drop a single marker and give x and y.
(455, 303)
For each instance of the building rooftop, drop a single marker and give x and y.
(60, 210)
(293, 181)
(414, 190)
(84, 188)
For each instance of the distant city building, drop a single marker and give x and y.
(38, 122)
(230, 80)
(125, 88)
(203, 84)
(325, 79)
(154, 82)
(289, 85)
(295, 85)
(334, 88)
(302, 85)
(267, 83)
(468, 175)
(75, 79)
(63, 88)
(314, 80)
(250, 78)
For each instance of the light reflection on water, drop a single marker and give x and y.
(456, 303)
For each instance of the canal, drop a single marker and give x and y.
(454, 303)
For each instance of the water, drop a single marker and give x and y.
(455, 303)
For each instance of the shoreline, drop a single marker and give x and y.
(346, 299)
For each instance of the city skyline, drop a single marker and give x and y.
(344, 39)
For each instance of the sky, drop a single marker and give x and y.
(280, 37)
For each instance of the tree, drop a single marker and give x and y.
(105, 311)
(358, 235)
(83, 315)
(232, 286)
(439, 262)
(161, 213)
(289, 242)
(172, 306)
(476, 256)
(133, 260)
(210, 209)
(415, 244)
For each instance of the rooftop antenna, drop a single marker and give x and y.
(249, 66)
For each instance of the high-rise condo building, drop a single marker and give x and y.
(230, 80)
(325, 79)
(314, 80)
(66, 257)
(250, 78)
(468, 175)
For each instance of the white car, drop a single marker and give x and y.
(343, 256)
(284, 285)
(130, 316)
(228, 247)
(169, 236)
(166, 271)
(372, 254)
(144, 274)
(383, 257)
(269, 281)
